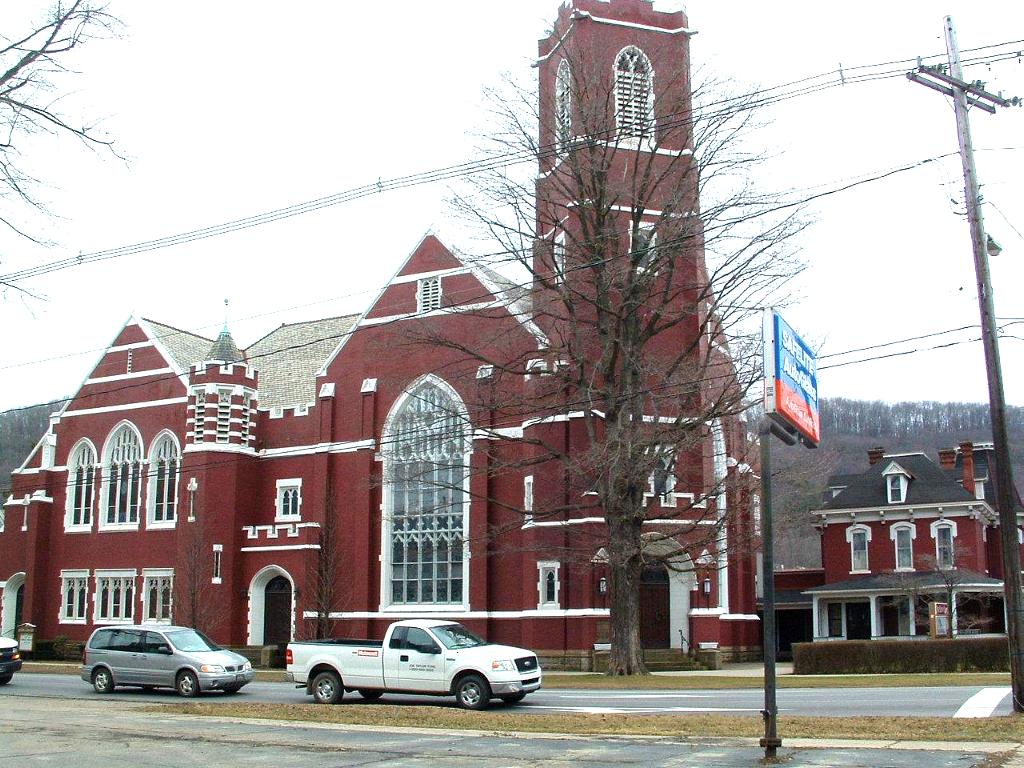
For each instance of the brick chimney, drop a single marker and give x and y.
(875, 455)
(967, 453)
(947, 458)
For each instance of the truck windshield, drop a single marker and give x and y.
(457, 636)
(191, 641)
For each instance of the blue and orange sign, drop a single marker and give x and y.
(791, 378)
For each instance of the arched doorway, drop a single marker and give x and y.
(13, 605)
(277, 611)
(654, 607)
(271, 607)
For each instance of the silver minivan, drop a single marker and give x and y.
(160, 656)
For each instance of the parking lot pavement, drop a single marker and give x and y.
(111, 733)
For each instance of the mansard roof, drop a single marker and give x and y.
(929, 485)
(186, 348)
(289, 357)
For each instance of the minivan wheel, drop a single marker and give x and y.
(327, 688)
(473, 692)
(103, 681)
(187, 684)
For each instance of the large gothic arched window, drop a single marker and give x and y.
(80, 485)
(427, 450)
(164, 468)
(122, 477)
(634, 94)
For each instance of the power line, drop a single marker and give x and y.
(443, 174)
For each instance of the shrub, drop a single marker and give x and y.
(982, 654)
(66, 649)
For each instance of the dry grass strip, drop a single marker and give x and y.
(508, 719)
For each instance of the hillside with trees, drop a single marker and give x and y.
(848, 429)
(20, 430)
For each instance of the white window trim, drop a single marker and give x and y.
(944, 522)
(652, 245)
(149, 574)
(544, 567)
(283, 485)
(635, 142)
(67, 575)
(388, 439)
(151, 473)
(101, 575)
(867, 548)
(435, 300)
(893, 536)
(105, 460)
(528, 499)
(69, 500)
(218, 563)
(558, 258)
(903, 488)
(669, 499)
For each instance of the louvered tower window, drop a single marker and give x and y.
(223, 415)
(634, 94)
(199, 426)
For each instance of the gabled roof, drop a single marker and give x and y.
(929, 485)
(289, 357)
(186, 348)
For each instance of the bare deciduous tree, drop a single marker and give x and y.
(31, 66)
(194, 604)
(645, 257)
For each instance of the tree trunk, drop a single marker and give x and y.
(626, 656)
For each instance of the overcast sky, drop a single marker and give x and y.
(225, 110)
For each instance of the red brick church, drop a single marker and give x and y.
(334, 471)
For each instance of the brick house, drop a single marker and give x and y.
(902, 536)
(191, 480)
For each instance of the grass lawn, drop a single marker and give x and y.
(507, 719)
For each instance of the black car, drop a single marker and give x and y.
(10, 660)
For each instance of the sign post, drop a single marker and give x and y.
(791, 414)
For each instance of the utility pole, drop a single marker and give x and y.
(963, 93)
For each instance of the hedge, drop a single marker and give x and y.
(981, 654)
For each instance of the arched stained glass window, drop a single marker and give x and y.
(80, 485)
(426, 479)
(634, 94)
(164, 468)
(123, 476)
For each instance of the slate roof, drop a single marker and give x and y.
(224, 349)
(289, 357)
(186, 348)
(929, 484)
(517, 295)
(907, 581)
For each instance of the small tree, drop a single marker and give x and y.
(193, 602)
(324, 571)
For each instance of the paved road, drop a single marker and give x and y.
(112, 732)
(838, 702)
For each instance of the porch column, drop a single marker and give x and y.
(816, 626)
(952, 611)
(873, 610)
(912, 612)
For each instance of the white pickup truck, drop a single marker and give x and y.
(439, 658)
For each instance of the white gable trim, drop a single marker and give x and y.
(895, 469)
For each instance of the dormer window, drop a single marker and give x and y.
(896, 482)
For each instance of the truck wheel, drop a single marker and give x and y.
(514, 698)
(473, 692)
(327, 688)
(370, 695)
(5, 679)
